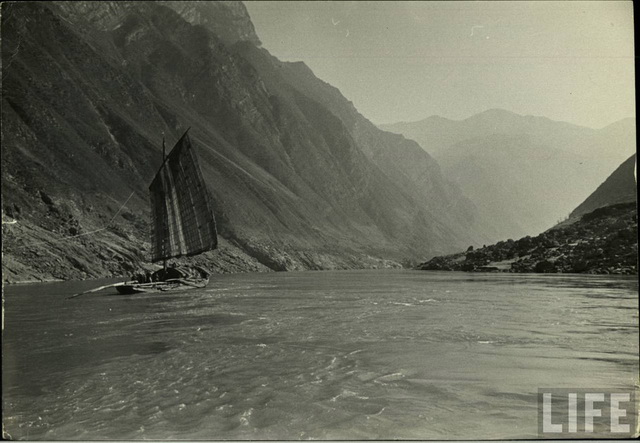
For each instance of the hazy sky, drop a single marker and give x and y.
(404, 61)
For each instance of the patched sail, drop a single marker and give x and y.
(181, 210)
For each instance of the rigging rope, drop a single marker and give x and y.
(86, 233)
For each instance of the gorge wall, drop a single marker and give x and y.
(300, 180)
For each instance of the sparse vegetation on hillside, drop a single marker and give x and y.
(603, 241)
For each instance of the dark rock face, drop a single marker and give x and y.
(601, 242)
(620, 187)
(299, 179)
(229, 20)
(439, 206)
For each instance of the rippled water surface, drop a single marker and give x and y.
(328, 355)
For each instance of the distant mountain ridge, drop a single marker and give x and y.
(524, 173)
(300, 180)
(435, 133)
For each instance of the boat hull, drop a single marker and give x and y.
(165, 286)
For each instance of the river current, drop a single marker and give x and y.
(312, 355)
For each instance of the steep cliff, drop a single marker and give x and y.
(619, 187)
(299, 180)
(229, 20)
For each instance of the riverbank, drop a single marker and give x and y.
(64, 243)
(32, 254)
(603, 241)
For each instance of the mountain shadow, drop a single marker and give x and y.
(300, 180)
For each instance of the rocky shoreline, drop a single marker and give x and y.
(603, 241)
(36, 254)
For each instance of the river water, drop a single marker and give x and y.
(313, 355)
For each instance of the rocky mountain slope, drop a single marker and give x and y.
(509, 164)
(299, 179)
(620, 187)
(600, 237)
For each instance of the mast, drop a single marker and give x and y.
(164, 148)
(164, 157)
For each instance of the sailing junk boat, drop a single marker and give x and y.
(183, 222)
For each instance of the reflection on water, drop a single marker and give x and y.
(328, 355)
